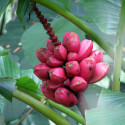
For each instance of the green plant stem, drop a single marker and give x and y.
(118, 52)
(57, 106)
(68, 112)
(43, 109)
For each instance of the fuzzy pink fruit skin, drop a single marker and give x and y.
(57, 75)
(50, 45)
(78, 84)
(43, 54)
(65, 97)
(60, 52)
(68, 35)
(53, 85)
(97, 55)
(53, 62)
(72, 56)
(73, 44)
(101, 71)
(72, 68)
(42, 71)
(87, 68)
(47, 92)
(85, 50)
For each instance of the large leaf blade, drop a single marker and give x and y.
(7, 87)
(110, 110)
(21, 10)
(3, 5)
(8, 68)
(105, 13)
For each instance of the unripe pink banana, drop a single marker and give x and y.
(78, 84)
(65, 97)
(52, 85)
(72, 56)
(97, 55)
(42, 71)
(43, 54)
(47, 92)
(50, 45)
(60, 52)
(53, 62)
(68, 35)
(66, 83)
(72, 68)
(85, 50)
(101, 71)
(73, 44)
(57, 75)
(87, 68)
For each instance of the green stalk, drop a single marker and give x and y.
(57, 106)
(43, 109)
(68, 112)
(118, 52)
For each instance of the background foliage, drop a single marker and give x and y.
(17, 67)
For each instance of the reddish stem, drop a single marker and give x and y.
(46, 26)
